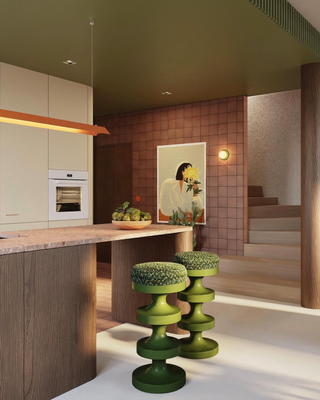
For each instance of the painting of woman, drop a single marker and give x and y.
(183, 187)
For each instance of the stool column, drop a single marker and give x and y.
(159, 279)
(198, 265)
(195, 346)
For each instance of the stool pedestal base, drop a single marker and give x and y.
(198, 347)
(158, 377)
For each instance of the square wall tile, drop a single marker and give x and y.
(221, 123)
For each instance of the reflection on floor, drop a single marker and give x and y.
(268, 351)
(104, 319)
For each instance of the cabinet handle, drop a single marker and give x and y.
(11, 215)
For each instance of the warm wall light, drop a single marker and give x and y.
(18, 118)
(224, 154)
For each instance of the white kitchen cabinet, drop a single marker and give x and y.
(23, 174)
(23, 227)
(66, 223)
(68, 101)
(23, 90)
(26, 154)
(23, 150)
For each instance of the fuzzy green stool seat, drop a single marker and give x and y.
(159, 279)
(198, 264)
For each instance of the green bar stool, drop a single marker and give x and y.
(198, 264)
(158, 279)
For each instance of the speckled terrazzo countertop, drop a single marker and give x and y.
(41, 239)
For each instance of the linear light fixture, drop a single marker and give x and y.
(37, 121)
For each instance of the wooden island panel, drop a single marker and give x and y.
(48, 301)
(11, 327)
(48, 329)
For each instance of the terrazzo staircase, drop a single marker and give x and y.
(270, 267)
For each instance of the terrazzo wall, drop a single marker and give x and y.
(222, 124)
(274, 145)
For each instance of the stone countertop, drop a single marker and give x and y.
(41, 239)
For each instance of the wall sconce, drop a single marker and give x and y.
(224, 155)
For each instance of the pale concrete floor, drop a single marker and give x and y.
(268, 350)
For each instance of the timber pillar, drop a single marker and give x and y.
(310, 185)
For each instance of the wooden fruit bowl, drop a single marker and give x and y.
(131, 224)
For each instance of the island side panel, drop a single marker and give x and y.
(183, 241)
(11, 327)
(125, 254)
(60, 320)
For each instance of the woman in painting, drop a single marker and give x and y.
(175, 193)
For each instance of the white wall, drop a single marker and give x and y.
(274, 145)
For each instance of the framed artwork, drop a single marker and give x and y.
(181, 179)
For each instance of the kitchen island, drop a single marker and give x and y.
(47, 300)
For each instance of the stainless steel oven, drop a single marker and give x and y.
(68, 195)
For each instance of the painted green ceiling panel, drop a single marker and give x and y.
(197, 50)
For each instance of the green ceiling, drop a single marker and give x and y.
(196, 49)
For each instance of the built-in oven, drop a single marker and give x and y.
(68, 195)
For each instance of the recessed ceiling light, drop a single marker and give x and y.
(166, 93)
(69, 62)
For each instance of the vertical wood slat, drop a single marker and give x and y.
(310, 185)
(11, 333)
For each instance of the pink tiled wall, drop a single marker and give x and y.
(222, 124)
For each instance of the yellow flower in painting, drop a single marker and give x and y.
(191, 173)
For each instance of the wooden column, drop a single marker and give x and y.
(310, 185)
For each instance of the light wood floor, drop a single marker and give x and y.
(104, 319)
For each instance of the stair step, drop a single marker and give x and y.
(276, 251)
(255, 286)
(263, 267)
(275, 237)
(262, 201)
(275, 224)
(274, 211)
(255, 191)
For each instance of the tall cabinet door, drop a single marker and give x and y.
(69, 101)
(23, 150)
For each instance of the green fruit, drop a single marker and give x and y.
(148, 217)
(135, 217)
(120, 216)
(114, 216)
(126, 217)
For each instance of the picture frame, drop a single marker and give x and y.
(174, 163)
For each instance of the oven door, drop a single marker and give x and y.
(68, 199)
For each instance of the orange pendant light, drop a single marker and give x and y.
(18, 118)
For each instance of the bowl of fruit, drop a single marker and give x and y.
(125, 217)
